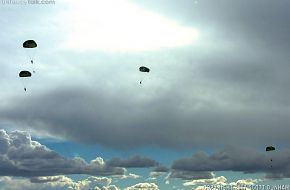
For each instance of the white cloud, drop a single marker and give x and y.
(221, 181)
(57, 183)
(130, 176)
(143, 186)
(245, 182)
(21, 156)
(154, 175)
(111, 187)
(120, 25)
(51, 179)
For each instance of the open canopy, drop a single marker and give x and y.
(29, 44)
(144, 69)
(270, 148)
(25, 74)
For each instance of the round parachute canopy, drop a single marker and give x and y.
(144, 69)
(29, 44)
(270, 148)
(25, 74)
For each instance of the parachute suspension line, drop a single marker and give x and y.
(30, 47)
(30, 53)
(31, 61)
(31, 56)
(142, 78)
(143, 70)
(24, 76)
(24, 84)
(270, 149)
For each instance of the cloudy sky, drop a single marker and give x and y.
(216, 96)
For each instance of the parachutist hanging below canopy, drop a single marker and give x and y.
(30, 44)
(270, 148)
(24, 74)
(143, 70)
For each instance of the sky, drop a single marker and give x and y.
(216, 96)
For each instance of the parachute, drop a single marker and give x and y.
(29, 45)
(143, 69)
(24, 75)
(268, 149)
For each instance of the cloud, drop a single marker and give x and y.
(204, 95)
(47, 179)
(105, 117)
(279, 174)
(161, 169)
(221, 182)
(112, 187)
(266, 24)
(144, 186)
(89, 182)
(132, 162)
(231, 88)
(245, 160)
(136, 30)
(158, 171)
(57, 183)
(189, 175)
(21, 156)
(130, 176)
(155, 175)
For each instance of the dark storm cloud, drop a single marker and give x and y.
(245, 160)
(20, 156)
(278, 175)
(256, 80)
(132, 162)
(45, 179)
(161, 169)
(190, 175)
(113, 119)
